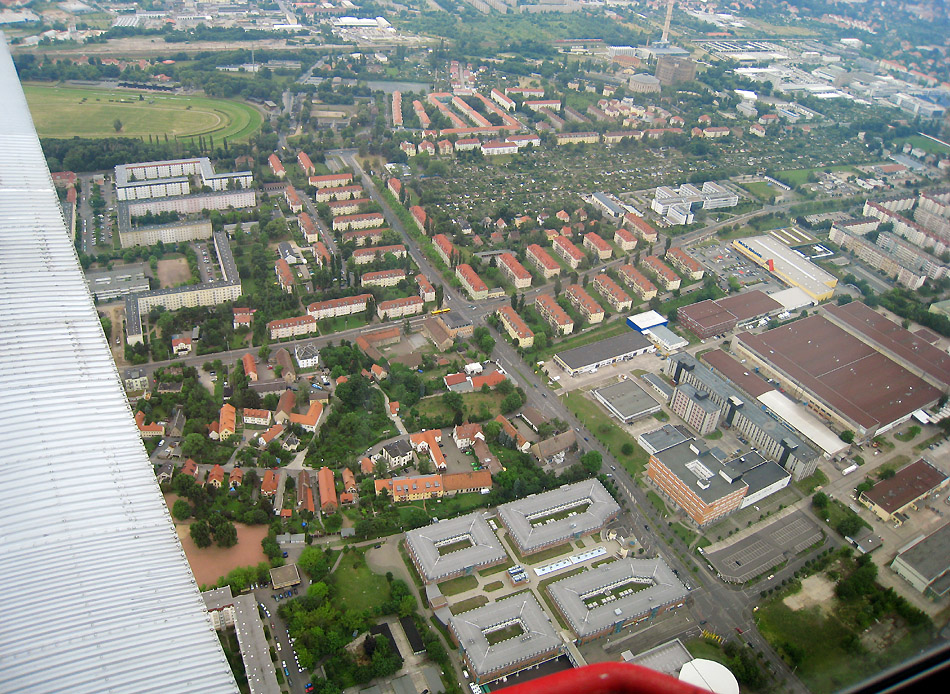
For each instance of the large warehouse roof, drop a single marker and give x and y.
(485, 547)
(588, 356)
(848, 375)
(804, 422)
(518, 516)
(591, 603)
(97, 593)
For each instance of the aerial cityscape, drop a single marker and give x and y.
(449, 345)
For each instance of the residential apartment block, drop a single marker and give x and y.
(382, 278)
(292, 327)
(585, 303)
(571, 254)
(399, 308)
(473, 284)
(618, 299)
(363, 237)
(338, 193)
(638, 281)
(370, 220)
(362, 256)
(426, 290)
(669, 279)
(445, 248)
(598, 245)
(556, 316)
(516, 328)
(514, 271)
(343, 306)
(542, 260)
(331, 180)
(625, 240)
(685, 263)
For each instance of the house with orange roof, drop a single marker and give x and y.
(276, 167)
(378, 372)
(465, 435)
(285, 406)
(428, 441)
(270, 482)
(467, 482)
(305, 492)
(181, 344)
(328, 500)
(342, 379)
(236, 478)
(190, 468)
(393, 407)
(305, 163)
(510, 436)
(309, 420)
(148, 430)
(285, 276)
(366, 465)
(349, 480)
(347, 498)
(250, 368)
(227, 421)
(215, 477)
(270, 435)
(490, 379)
(259, 418)
(411, 488)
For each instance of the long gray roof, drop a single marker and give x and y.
(539, 636)
(424, 543)
(517, 514)
(569, 593)
(97, 595)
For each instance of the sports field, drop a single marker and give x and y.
(80, 112)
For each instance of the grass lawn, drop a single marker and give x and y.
(542, 589)
(357, 587)
(796, 177)
(470, 604)
(812, 482)
(504, 566)
(608, 433)
(657, 502)
(684, 533)
(927, 442)
(826, 666)
(715, 436)
(458, 585)
(607, 329)
(494, 585)
(471, 402)
(762, 190)
(80, 112)
(538, 557)
(340, 323)
(701, 648)
(927, 145)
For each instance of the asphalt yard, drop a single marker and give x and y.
(756, 553)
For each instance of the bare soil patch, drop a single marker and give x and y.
(173, 272)
(816, 590)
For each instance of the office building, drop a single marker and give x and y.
(695, 408)
(454, 547)
(626, 401)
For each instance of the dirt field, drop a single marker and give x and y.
(816, 590)
(116, 313)
(212, 563)
(173, 272)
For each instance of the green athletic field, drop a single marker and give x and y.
(81, 112)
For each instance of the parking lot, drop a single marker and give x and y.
(741, 560)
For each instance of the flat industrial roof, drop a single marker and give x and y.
(539, 635)
(931, 556)
(646, 320)
(733, 370)
(661, 439)
(116, 607)
(706, 314)
(792, 298)
(597, 352)
(628, 399)
(424, 543)
(517, 515)
(804, 422)
(908, 484)
(667, 658)
(890, 336)
(666, 337)
(570, 593)
(801, 271)
(748, 305)
(851, 377)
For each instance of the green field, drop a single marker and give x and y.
(762, 190)
(928, 145)
(608, 433)
(79, 112)
(796, 177)
(358, 588)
